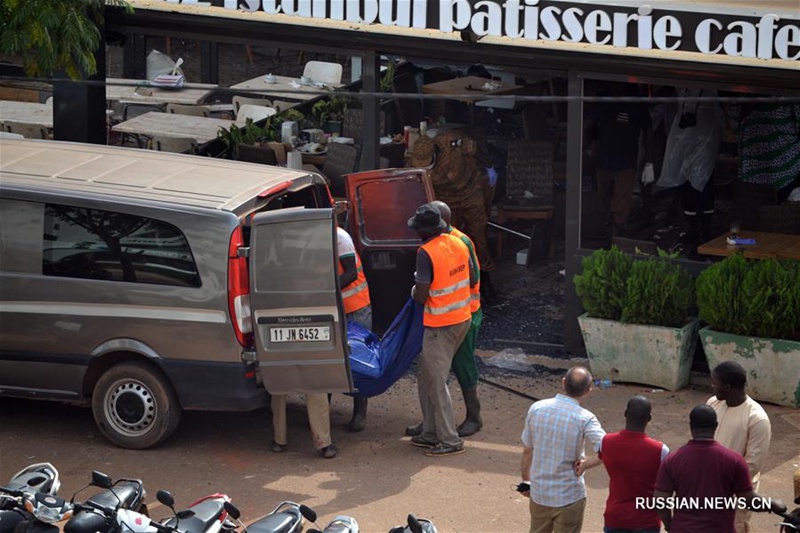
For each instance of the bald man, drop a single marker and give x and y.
(553, 440)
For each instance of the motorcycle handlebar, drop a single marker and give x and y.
(11, 492)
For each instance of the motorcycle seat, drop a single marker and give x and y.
(205, 513)
(126, 491)
(276, 523)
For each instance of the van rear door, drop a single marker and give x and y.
(297, 309)
(381, 202)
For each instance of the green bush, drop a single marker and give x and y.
(602, 286)
(659, 293)
(759, 298)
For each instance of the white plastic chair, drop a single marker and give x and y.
(254, 112)
(29, 131)
(7, 135)
(174, 144)
(239, 101)
(193, 110)
(322, 71)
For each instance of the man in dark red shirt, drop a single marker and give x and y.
(632, 460)
(704, 476)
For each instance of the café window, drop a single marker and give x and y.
(104, 245)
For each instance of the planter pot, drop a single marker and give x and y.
(652, 355)
(772, 365)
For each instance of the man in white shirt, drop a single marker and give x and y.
(744, 426)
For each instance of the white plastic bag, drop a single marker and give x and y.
(510, 359)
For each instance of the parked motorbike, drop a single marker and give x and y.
(340, 524)
(287, 517)
(29, 496)
(98, 513)
(415, 525)
(791, 521)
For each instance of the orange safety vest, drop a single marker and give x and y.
(448, 301)
(474, 292)
(356, 295)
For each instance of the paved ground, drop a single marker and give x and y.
(377, 477)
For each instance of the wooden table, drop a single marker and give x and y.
(468, 85)
(201, 129)
(775, 245)
(27, 113)
(284, 88)
(138, 92)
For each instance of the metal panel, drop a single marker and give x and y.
(295, 299)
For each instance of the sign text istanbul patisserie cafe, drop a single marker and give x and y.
(645, 27)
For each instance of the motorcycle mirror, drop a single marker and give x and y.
(414, 525)
(232, 510)
(165, 498)
(101, 480)
(308, 513)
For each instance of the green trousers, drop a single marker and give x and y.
(463, 365)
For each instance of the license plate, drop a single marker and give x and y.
(300, 334)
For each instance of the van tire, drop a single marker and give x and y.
(134, 406)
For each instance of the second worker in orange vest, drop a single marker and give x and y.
(357, 307)
(442, 285)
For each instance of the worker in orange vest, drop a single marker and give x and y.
(442, 285)
(357, 307)
(464, 366)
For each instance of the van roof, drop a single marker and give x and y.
(139, 174)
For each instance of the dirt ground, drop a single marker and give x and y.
(378, 477)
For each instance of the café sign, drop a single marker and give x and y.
(640, 26)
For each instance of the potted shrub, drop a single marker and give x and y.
(328, 113)
(259, 144)
(753, 312)
(637, 326)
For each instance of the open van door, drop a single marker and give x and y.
(381, 202)
(298, 316)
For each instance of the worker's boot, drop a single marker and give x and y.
(488, 294)
(473, 423)
(414, 431)
(359, 420)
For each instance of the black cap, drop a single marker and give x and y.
(427, 219)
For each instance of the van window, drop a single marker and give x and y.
(95, 244)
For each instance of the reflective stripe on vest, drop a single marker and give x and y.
(448, 301)
(356, 295)
(474, 292)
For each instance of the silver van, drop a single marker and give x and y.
(143, 283)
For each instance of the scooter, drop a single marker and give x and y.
(791, 521)
(97, 514)
(18, 498)
(340, 524)
(415, 525)
(287, 517)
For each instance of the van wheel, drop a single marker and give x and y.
(134, 406)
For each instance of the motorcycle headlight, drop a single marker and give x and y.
(48, 515)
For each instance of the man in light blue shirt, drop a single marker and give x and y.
(553, 441)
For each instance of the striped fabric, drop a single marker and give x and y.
(769, 142)
(557, 429)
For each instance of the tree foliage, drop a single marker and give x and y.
(53, 35)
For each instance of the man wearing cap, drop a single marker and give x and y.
(703, 475)
(463, 366)
(442, 285)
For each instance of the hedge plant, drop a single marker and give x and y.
(602, 286)
(758, 298)
(659, 293)
(650, 291)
